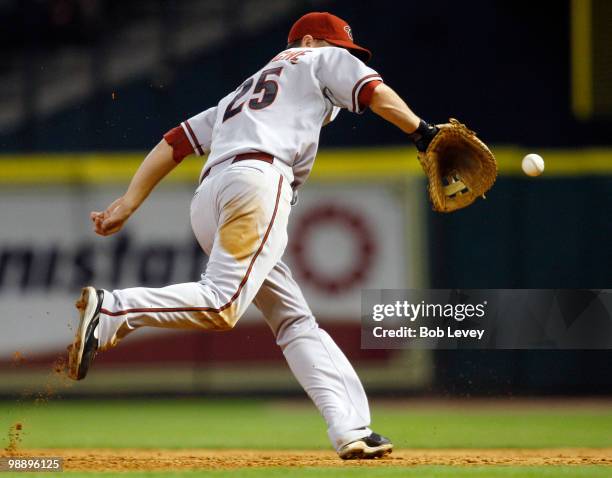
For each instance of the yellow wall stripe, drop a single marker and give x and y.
(582, 59)
(354, 164)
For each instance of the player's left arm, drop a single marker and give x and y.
(387, 104)
(348, 83)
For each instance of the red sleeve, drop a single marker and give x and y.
(181, 146)
(365, 95)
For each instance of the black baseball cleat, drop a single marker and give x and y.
(83, 350)
(366, 448)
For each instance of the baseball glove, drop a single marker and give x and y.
(459, 166)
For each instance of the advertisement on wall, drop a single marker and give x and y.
(344, 237)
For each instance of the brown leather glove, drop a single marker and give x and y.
(459, 166)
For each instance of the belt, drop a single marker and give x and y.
(258, 156)
(265, 157)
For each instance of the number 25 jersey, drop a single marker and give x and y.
(280, 109)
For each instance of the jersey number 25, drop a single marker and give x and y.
(268, 87)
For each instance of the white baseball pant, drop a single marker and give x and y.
(239, 216)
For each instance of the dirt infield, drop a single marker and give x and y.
(150, 460)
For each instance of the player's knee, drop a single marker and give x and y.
(295, 327)
(226, 323)
(229, 318)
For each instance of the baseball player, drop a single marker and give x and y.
(261, 141)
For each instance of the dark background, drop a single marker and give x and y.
(505, 65)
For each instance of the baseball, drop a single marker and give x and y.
(533, 164)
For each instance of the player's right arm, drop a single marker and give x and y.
(154, 168)
(193, 135)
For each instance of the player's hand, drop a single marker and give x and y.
(423, 135)
(110, 221)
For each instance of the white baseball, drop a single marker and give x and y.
(533, 164)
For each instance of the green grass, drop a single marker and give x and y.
(200, 423)
(195, 423)
(416, 472)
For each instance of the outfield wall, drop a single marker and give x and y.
(363, 221)
(345, 237)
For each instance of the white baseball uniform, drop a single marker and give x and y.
(239, 216)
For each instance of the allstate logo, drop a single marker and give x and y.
(348, 31)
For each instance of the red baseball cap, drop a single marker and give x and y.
(328, 27)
